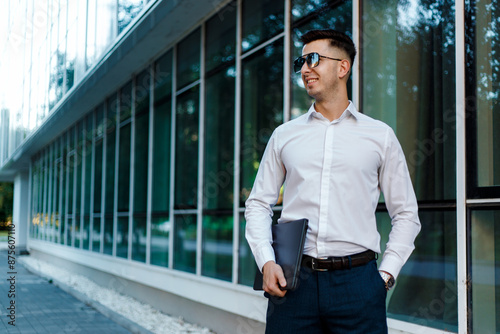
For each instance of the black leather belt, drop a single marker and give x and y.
(337, 263)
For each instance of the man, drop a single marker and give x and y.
(333, 162)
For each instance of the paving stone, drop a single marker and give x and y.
(41, 307)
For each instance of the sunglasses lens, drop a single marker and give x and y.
(298, 63)
(312, 60)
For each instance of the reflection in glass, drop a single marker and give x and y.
(96, 235)
(303, 8)
(426, 288)
(185, 243)
(485, 252)
(127, 11)
(71, 57)
(262, 109)
(487, 66)
(141, 142)
(69, 232)
(124, 169)
(98, 149)
(62, 192)
(88, 180)
(108, 235)
(110, 155)
(262, 19)
(219, 140)
(220, 38)
(139, 239)
(70, 173)
(186, 149)
(78, 186)
(188, 59)
(109, 202)
(321, 16)
(160, 236)
(217, 246)
(162, 134)
(106, 23)
(122, 237)
(409, 83)
(55, 194)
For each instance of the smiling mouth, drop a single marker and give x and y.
(309, 81)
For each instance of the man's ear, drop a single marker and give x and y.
(344, 68)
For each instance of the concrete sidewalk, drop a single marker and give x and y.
(34, 305)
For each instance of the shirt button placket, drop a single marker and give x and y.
(325, 189)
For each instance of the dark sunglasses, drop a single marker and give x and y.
(312, 60)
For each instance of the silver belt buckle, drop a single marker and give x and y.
(314, 264)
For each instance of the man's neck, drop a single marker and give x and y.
(332, 108)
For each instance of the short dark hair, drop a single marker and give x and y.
(337, 39)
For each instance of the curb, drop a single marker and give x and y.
(126, 323)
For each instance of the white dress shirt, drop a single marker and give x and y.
(332, 174)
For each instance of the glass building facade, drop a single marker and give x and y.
(154, 172)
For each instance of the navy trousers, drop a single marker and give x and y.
(340, 301)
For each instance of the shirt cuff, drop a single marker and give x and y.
(265, 254)
(391, 264)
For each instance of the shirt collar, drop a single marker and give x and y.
(351, 109)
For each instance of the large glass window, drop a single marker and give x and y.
(63, 190)
(55, 191)
(408, 78)
(220, 39)
(160, 221)
(426, 288)
(261, 109)
(50, 166)
(109, 192)
(70, 172)
(262, 19)
(483, 97)
(162, 134)
(141, 141)
(124, 148)
(122, 237)
(185, 243)
(485, 270)
(186, 149)
(408, 81)
(78, 184)
(87, 175)
(219, 148)
(98, 175)
(188, 59)
(141, 154)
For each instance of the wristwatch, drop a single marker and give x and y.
(388, 279)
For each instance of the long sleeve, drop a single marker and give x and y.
(263, 197)
(402, 205)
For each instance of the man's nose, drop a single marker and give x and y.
(305, 68)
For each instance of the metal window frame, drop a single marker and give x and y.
(201, 154)
(83, 124)
(172, 159)
(149, 191)
(117, 166)
(132, 169)
(237, 144)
